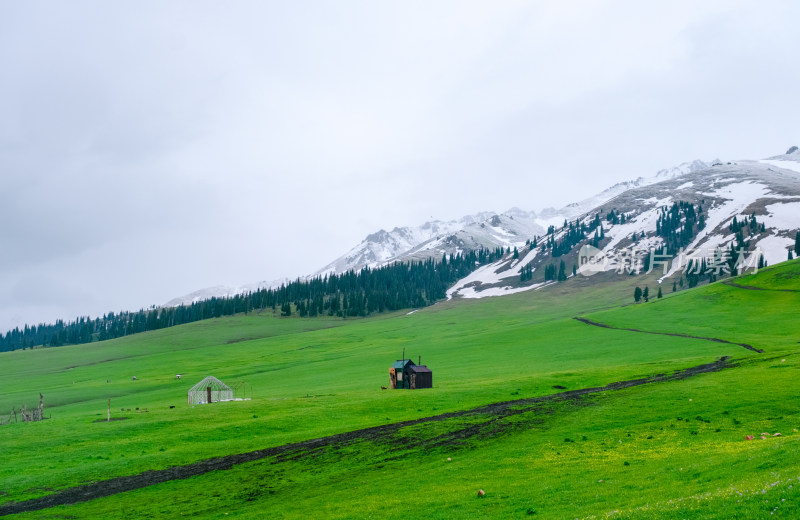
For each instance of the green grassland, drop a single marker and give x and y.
(671, 449)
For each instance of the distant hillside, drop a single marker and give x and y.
(400, 285)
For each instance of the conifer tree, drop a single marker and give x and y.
(637, 294)
(797, 244)
(659, 292)
(646, 294)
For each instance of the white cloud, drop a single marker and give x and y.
(192, 143)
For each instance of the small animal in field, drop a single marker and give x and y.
(384, 388)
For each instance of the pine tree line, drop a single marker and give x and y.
(615, 217)
(397, 286)
(574, 233)
(560, 275)
(797, 244)
(745, 227)
(678, 225)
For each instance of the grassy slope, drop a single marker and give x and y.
(763, 318)
(481, 352)
(307, 383)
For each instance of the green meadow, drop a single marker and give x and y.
(670, 448)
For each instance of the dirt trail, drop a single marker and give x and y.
(677, 334)
(384, 433)
(754, 288)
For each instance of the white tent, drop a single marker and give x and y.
(211, 390)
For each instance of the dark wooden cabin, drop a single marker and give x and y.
(405, 373)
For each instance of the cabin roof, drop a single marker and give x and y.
(402, 363)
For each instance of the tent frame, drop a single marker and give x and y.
(208, 390)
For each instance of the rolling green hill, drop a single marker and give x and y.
(667, 446)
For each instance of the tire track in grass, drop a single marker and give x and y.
(676, 334)
(113, 486)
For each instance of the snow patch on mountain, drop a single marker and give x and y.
(495, 279)
(785, 165)
(788, 161)
(775, 248)
(785, 215)
(472, 293)
(739, 196)
(644, 222)
(681, 169)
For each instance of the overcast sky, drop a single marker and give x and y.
(150, 149)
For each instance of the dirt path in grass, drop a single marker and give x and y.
(488, 414)
(677, 334)
(754, 288)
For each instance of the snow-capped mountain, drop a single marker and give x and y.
(767, 190)
(770, 188)
(222, 291)
(384, 247)
(578, 208)
(510, 229)
(433, 239)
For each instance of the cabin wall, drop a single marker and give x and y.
(424, 380)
